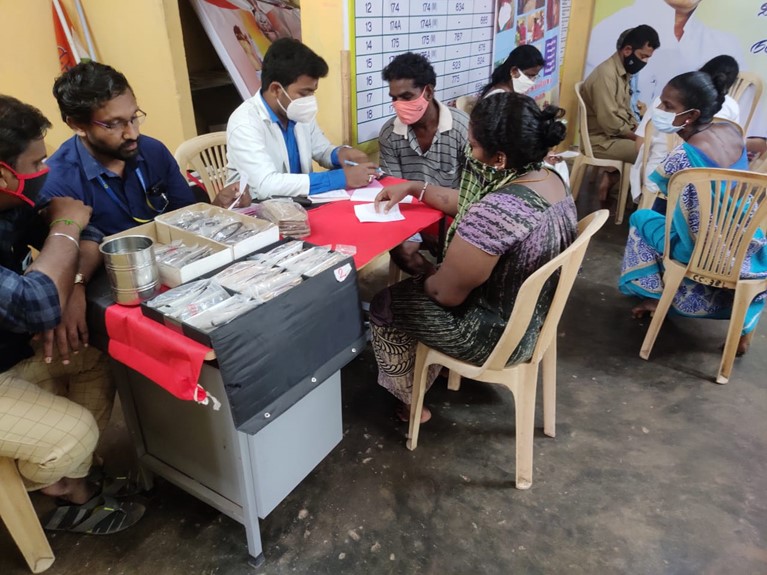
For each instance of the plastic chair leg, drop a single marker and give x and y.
(576, 178)
(21, 520)
(420, 375)
(744, 295)
(524, 409)
(671, 280)
(454, 381)
(549, 376)
(623, 194)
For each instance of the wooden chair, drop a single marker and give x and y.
(587, 159)
(727, 228)
(206, 155)
(20, 518)
(522, 378)
(742, 85)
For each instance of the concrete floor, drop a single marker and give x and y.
(655, 469)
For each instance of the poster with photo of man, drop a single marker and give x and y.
(691, 32)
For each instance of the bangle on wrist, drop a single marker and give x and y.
(423, 190)
(67, 222)
(62, 235)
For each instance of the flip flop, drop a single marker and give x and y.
(121, 486)
(102, 515)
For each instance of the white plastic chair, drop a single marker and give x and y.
(206, 155)
(521, 378)
(587, 159)
(726, 230)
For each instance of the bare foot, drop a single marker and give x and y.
(608, 180)
(403, 413)
(76, 491)
(647, 307)
(744, 343)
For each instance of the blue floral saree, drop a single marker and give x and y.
(642, 267)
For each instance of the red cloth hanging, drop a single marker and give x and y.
(170, 359)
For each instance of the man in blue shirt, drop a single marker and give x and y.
(273, 137)
(50, 436)
(125, 177)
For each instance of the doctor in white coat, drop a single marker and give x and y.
(273, 137)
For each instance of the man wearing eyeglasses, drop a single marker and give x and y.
(125, 177)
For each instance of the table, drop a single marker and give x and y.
(336, 223)
(245, 469)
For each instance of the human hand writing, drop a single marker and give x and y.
(360, 175)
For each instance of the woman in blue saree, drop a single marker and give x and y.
(688, 104)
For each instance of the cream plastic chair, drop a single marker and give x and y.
(586, 159)
(739, 89)
(466, 103)
(20, 518)
(759, 164)
(522, 378)
(727, 228)
(206, 155)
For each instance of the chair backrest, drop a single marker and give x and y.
(583, 124)
(466, 103)
(733, 205)
(759, 164)
(206, 155)
(745, 81)
(569, 262)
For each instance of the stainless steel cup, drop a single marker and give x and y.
(132, 269)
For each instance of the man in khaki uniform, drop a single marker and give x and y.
(607, 95)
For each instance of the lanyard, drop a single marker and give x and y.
(124, 206)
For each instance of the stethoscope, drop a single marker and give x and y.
(110, 192)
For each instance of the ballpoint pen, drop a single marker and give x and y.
(379, 172)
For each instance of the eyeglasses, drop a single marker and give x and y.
(137, 119)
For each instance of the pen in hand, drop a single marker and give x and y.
(379, 172)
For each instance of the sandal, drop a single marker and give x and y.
(102, 515)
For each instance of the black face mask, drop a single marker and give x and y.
(632, 64)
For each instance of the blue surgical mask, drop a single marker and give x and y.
(664, 121)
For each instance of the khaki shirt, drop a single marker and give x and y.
(607, 96)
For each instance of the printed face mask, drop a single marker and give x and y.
(523, 84)
(632, 64)
(410, 111)
(301, 109)
(664, 121)
(29, 184)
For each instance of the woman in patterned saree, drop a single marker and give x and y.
(688, 105)
(511, 217)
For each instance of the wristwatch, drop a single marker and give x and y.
(79, 279)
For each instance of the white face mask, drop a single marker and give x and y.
(301, 109)
(522, 84)
(664, 121)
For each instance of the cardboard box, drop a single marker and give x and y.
(172, 276)
(269, 235)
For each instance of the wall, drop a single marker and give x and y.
(327, 40)
(141, 38)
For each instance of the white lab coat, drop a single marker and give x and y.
(256, 147)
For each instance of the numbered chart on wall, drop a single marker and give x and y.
(455, 35)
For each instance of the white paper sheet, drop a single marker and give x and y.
(368, 213)
(331, 196)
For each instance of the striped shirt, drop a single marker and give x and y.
(441, 164)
